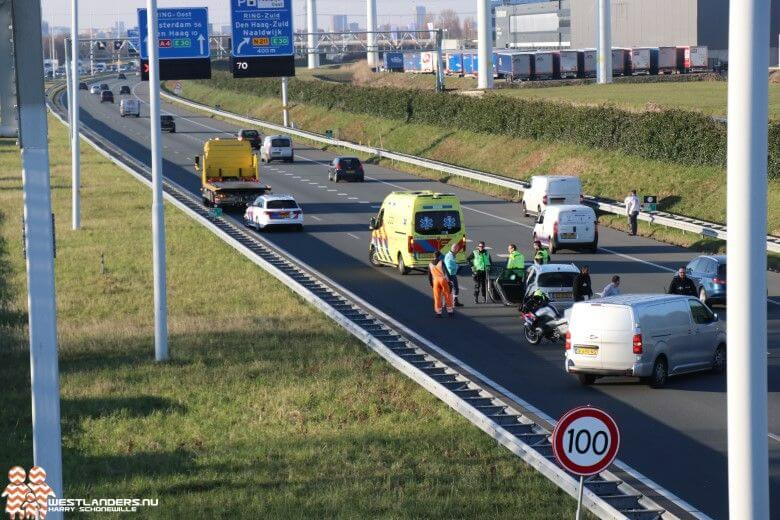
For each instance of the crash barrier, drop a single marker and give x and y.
(515, 425)
(661, 218)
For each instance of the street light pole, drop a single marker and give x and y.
(484, 45)
(158, 215)
(39, 244)
(604, 42)
(285, 108)
(746, 221)
(311, 38)
(74, 123)
(371, 55)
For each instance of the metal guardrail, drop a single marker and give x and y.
(661, 218)
(509, 423)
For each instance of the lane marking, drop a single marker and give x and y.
(376, 206)
(332, 190)
(774, 437)
(351, 198)
(342, 194)
(364, 202)
(354, 236)
(318, 219)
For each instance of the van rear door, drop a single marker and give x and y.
(602, 335)
(564, 191)
(576, 225)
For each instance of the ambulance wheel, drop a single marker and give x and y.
(401, 267)
(372, 258)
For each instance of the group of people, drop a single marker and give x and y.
(443, 273)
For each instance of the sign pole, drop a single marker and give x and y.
(285, 110)
(372, 55)
(579, 498)
(604, 42)
(158, 210)
(746, 209)
(74, 123)
(484, 45)
(39, 243)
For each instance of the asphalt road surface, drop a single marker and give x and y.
(676, 436)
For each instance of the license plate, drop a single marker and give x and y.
(569, 236)
(350, 171)
(586, 350)
(561, 296)
(284, 215)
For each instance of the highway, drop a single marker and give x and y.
(676, 436)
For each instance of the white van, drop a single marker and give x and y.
(130, 107)
(571, 226)
(277, 147)
(551, 189)
(643, 335)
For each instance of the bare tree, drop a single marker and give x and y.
(469, 28)
(450, 22)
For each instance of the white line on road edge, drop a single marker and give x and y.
(592, 501)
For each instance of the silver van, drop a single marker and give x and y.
(130, 107)
(643, 335)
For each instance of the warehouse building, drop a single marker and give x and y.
(635, 23)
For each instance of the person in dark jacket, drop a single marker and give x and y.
(682, 285)
(582, 285)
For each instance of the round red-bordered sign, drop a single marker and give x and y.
(586, 440)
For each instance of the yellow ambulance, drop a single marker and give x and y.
(412, 225)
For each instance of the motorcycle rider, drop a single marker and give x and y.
(682, 285)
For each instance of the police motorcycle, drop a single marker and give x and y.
(541, 319)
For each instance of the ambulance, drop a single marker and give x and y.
(412, 225)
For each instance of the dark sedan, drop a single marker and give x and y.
(167, 124)
(83, 86)
(124, 89)
(346, 169)
(121, 75)
(708, 272)
(106, 96)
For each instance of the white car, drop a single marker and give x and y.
(570, 226)
(274, 210)
(94, 89)
(130, 107)
(549, 190)
(277, 147)
(556, 280)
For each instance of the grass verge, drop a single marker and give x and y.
(696, 191)
(266, 409)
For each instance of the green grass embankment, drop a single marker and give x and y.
(266, 409)
(696, 191)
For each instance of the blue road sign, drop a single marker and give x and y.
(182, 32)
(261, 28)
(135, 39)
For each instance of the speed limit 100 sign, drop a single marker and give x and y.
(586, 440)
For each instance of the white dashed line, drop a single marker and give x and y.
(342, 194)
(331, 190)
(354, 236)
(318, 219)
(351, 198)
(376, 206)
(364, 202)
(288, 174)
(774, 437)
(321, 187)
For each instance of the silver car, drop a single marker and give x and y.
(556, 280)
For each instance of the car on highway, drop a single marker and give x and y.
(104, 86)
(106, 96)
(273, 210)
(130, 107)
(708, 272)
(94, 89)
(83, 86)
(570, 226)
(124, 89)
(549, 190)
(167, 124)
(253, 136)
(649, 336)
(346, 169)
(277, 147)
(121, 76)
(555, 280)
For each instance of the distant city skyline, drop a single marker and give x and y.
(99, 14)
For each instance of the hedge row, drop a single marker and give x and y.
(671, 135)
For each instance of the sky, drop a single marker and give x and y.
(103, 14)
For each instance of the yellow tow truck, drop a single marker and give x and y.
(230, 173)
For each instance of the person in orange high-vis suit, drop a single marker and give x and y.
(440, 282)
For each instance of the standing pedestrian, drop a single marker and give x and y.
(681, 284)
(632, 211)
(515, 263)
(541, 253)
(451, 265)
(480, 263)
(440, 282)
(582, 285)
(612, 288)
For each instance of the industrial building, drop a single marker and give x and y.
(635, 23)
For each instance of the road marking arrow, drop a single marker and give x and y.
(243, 42)
(200, 41)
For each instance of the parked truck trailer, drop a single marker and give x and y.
(547, 65)
(571, 64)
(644, 61)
